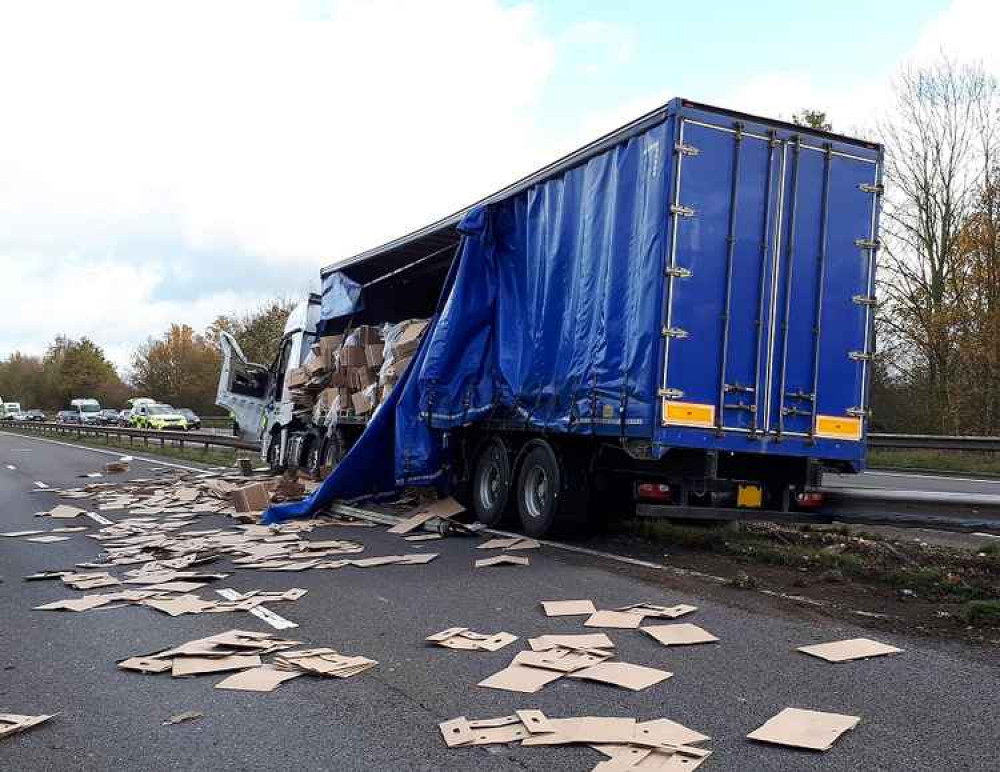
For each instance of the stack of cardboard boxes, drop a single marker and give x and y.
(352, 374)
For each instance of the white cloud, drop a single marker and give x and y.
(249, 129)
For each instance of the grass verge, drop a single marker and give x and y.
(938, 460)
(821, 554)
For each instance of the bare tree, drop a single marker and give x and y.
(939, 145)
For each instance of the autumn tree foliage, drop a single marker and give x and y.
(180, 368)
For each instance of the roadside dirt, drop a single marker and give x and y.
(948, 593)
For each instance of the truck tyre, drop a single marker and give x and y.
(333, 452)
(273, 453)
(552, 491)
(490, 484)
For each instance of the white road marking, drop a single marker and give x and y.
(276, 621)
(155, 462)
(99, 518)
(40, 484)
(11, 467)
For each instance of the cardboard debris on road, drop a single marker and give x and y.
(116, 467)
(620, 619)
(810, 729)
(568, 608)
(628, 676)
(442, 509)
(47, 539)
(848, 650)
(265, 678)
(502, 560)
(571, 641)
(325, 662)
(681, 634)
(664, 612)
(187, 715)
(660, 744)
(64, 512)
(11, 723)
(520, 678)
(465, 639)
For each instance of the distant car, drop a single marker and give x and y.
(193, 421)
(123, 417)
(34, 415)
(68, 417)
(107, 417)
(154, 416)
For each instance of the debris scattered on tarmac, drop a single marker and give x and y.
(568, 608)
(808, 729)
(624, 674)
(64, 512)
(850, 649)
(442, 509)
(502, 560)
(187, 715)
(465, 639)
(619, 619)
(515, 543)
(682, 634)
(628, 744)
(664, 612)
(11, 723)
(323, 661)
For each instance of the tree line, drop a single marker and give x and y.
(180, 367)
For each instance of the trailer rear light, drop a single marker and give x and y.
(655, 491)
(809, 500)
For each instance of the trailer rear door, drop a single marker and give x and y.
(769, 283)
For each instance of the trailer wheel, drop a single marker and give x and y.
(490, 485)
(553, 491)
(273, 453)
(333, 451)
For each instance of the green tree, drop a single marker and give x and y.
(258, 332)
(72, 369)
(180, 368)
(814, 119)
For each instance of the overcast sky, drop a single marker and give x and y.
(170, 161)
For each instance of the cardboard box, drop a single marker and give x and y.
(352, 356)
(374, 354)
(250, 498)
(360, 378)
(297, 378)
(362, 405)
(397, 368)
(315, 365)
(326, 347)
(338, 378)
(409, 339)
(368, 335)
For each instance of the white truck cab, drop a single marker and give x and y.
(256, 395)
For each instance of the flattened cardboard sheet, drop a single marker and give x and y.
(266, 678)
(681, 634)
(568, 608)
(851, 649)
(519, 678)
(456, 732)
(572, 641)
(535, 721)
(502, 560)
(809, 729)
(624, 674)
(185, 666)
(585, 729)
(619, 619)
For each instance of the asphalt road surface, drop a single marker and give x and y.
(931, 708)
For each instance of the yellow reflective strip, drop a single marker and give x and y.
(838, 427)
(688, 414)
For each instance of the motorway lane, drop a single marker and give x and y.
(932, 707)
(913, 481)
